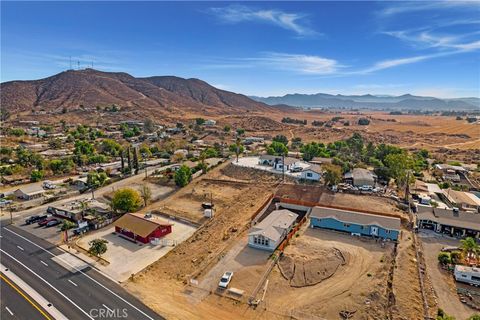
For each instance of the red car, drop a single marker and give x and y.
(44, 222)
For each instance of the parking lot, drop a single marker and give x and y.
(126, 257)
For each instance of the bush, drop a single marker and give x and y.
(363, 121)
(36, 175)
(444, 258)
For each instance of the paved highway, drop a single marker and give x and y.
(75, 293)
(16, 304)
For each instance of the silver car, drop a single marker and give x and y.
(225, 280)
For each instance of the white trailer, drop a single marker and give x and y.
(470, 275)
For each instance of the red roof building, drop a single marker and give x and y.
(140, 229)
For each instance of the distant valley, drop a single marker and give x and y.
(368, 101)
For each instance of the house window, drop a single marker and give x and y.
(387, 231)
(346, 225)
(464, 275)
(475, 278)
(309, 174)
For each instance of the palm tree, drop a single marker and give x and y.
(470, 247)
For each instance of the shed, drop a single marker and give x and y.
(355, 222)
(140, 229)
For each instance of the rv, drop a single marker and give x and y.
(470, 275)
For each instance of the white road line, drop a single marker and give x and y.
(107, 307)
(72, 283)
(48, 283)
(42, 262)
(81, 272)
(46, 305)
(9, 311)
(20, 248)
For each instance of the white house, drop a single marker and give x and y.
(313, 173)
(470, 275)
(270, 232)
(29, 192)
(210, 122)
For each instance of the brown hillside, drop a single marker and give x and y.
(90, 88)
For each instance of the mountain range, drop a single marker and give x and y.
(161, 95)
(403, 102)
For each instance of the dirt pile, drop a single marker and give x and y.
(303, 271)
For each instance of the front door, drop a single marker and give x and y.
(374, 231)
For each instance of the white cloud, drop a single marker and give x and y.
(299, 63)
(397, 7)
(285, 20)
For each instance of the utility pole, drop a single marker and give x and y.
(283, 166)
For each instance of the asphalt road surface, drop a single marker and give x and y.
(77, 294)
(16, 304)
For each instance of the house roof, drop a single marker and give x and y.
(320, 160)
(138, 225)
(31, 189)
(447, 217)
(269, 157)
(315, 168)
(355, 217)
(462, 197)
(274, 225)
(360, 173)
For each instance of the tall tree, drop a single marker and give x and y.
(135, 160)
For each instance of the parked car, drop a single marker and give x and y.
(365, 188)
(45, 221)
(296, 169)
(225, 280)
(35, 218)
(53, 222)
(5, 202)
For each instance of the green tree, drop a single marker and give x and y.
(312, 150)
(332, 175)
(18, 132)
(474, 317)
(470, 247)
(237, 148)
(95, 180)
(183, 176)
(67, 225)
(110, 147)
(277, 149)
(126, 200)
(36, 175)
(240, 131)
(199, 121)
(83, 148)
(281, 138)
(227, 128)
(98, 247)
(399, 165)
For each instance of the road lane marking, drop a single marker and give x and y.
(9, 311)
(32, 293)
(24, 296)
(111, 310)
(83, 273)
(48, 283)
(20, 248)
(72, 283)
(42, 262)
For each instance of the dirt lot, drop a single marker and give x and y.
(161, 284)
(443, 282)
(354, 278)
(217, 186)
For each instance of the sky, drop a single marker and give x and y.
(255, 48)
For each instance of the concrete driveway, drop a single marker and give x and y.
(126, 257)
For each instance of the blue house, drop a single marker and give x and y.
(355, 223)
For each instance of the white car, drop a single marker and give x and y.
(225, 280)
